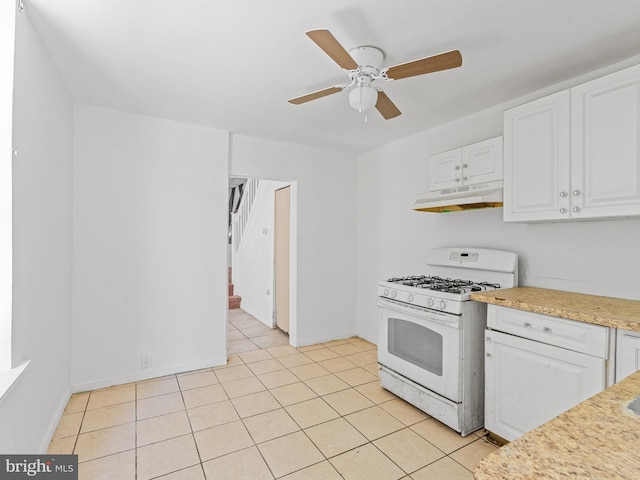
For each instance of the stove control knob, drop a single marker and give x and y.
(393, 294)
(410, 298)
(443, 304)
(430, 302)
(385, 293)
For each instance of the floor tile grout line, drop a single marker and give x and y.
(84, 411)
(193, 436)
(284, 407)
(255, 445)
(93, 431)
(353, 387)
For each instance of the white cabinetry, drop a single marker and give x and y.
(470, 165)
(536, 160)
(537, 367)
(605, 146)
(627, 353)
(575, 154)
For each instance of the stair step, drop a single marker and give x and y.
(231, 287)
(234, 301)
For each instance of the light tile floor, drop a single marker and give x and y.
(274, 411)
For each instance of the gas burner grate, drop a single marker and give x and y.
(448, 285)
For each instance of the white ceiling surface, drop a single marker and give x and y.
(234, 64)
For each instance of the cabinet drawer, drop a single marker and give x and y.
(569, 334)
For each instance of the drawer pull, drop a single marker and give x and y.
(527, 325)
(546, 330)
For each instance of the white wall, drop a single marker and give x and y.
(598, 257)
(253, 262)
(42, 244)
(150, 236)
(7, 55)
(325, 208)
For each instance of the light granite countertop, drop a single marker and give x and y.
(605, 311)
(597, 439)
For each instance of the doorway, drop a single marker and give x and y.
(265, 274)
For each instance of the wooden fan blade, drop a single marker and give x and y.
(436, 63)
(327, 42)
(386, 107)
(314, 95)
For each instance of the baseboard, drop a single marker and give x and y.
(147, 374)
(56, 420)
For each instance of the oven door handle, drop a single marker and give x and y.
(421, 312)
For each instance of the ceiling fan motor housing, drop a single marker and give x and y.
(369, 60)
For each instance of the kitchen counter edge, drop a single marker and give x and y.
(605, 311)
(594, 439)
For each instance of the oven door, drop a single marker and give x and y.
(422, 345)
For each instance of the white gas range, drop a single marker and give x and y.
(430, 333)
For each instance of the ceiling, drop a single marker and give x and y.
(234, 64)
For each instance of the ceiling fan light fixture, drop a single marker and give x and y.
(363, 98)
(363, 65)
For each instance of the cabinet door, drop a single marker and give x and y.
(627, 354)
(445, 170)
(536, 160)
(528, 383)
(482, 162)
(605, 146)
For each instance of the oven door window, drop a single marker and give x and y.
(415, 344)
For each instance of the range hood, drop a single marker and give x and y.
(469, 197)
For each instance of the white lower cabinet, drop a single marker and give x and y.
(627, 353)
(528, 382)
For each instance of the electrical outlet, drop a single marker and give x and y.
(146, 361)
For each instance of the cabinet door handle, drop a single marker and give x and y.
(563, 194)
(576, 193)
(457, 179)
(527, 325)
(576, 209)
(457, 167)
(563, 210)
(546, 330)
(465, 178)
(488, 355)
(464, 165)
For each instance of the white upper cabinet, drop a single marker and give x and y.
(575, 154)
(445, 170)
(605, 146)
(470, 165)
(536, 160)
(482, 161)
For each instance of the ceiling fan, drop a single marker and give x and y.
(364, 67)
